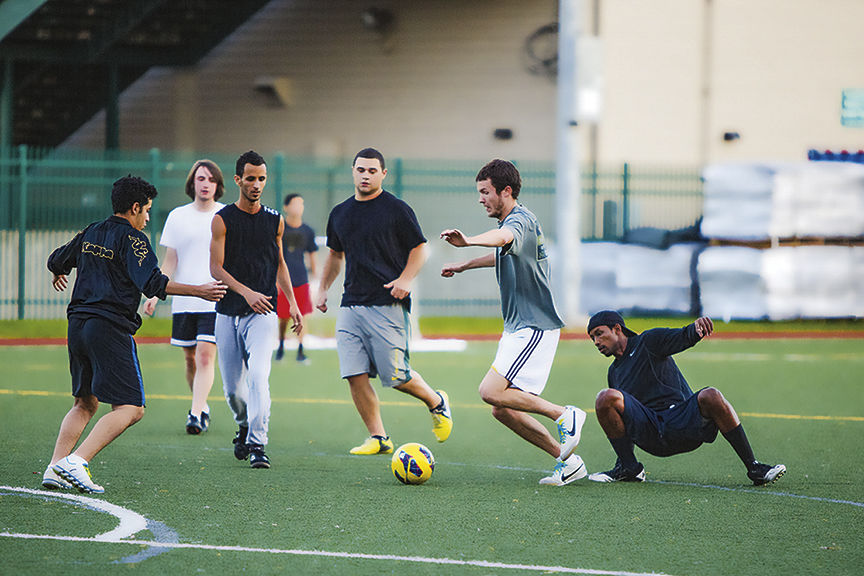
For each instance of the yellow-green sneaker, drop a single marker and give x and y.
(442, 421)
(374, 445)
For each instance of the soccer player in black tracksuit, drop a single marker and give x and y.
(116, 264)
(649, 403)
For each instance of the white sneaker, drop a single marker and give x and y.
(76, 471)
(52, 481)
(573, 468)
(570, 429)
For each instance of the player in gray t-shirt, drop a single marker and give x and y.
(531, 322)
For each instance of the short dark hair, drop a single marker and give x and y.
(128, 190)
(290, 197)
(214, 171)
(502, 174)
(369, 153)
(250, 157)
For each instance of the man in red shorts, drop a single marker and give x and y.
(297, 241)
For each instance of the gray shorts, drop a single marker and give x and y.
(374, 340)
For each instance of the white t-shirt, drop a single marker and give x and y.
(187, 230)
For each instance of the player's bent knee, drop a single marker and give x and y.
(711, 398)
(500, 413)
(488, 395)
(607, 398)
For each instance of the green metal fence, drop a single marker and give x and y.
(47, 195)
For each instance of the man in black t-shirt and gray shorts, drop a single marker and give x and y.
(380, 240)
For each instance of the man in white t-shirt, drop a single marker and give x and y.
(186, 236)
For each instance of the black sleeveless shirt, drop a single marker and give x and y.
(251, 255)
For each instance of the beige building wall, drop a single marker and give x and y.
(677, 74)
(447, 76)
(681, 73)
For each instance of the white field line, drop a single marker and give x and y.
(347, 555)
(130, 522)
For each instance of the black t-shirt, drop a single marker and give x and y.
(647, 370)
(296, 242)
(376, 237)
(251, 255)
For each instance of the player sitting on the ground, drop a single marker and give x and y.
(649, 403)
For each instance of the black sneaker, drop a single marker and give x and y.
(257, 457)
(241, 451)
(280, 352)
(302, 358)
(193, 425)
(619, 474)
(765, 473)
(204, 421)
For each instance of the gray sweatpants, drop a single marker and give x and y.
(245, 346)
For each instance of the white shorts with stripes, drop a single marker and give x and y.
(525, 358)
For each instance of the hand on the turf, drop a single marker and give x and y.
(399, 288)
(454, 238)
(59, 282)
(704, 326)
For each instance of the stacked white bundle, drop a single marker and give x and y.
(782, 283)
(761, 201)
(818, 199)
(599, 287)
(814, 282)
(731, 284)
(737, 201)
(631, 277)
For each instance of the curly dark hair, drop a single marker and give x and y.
(502, 174)
(214, 171)
(128, 190)
(250, 157)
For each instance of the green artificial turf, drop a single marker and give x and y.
(801, 402)
(322, 325)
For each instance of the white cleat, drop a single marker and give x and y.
(570, 429)
(570, 470)
(76, 471)
(52, 481)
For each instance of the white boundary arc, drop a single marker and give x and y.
(131, 523)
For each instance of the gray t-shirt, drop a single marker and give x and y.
(522, 270)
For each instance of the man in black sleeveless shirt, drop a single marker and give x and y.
(246, 254)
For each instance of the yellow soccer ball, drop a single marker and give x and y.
(412, 463)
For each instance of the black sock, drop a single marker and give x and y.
(299, 349)
(624, 449)
(738, 439)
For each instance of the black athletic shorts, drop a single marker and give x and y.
(103, 361)
(676, 430)
(188, 328)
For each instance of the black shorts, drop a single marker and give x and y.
(103, 361)
(676, 430)
(188, 328)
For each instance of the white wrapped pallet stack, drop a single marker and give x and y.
(737, 201)
(631, 277)
(730, 283)
(818, 199)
